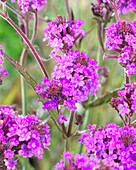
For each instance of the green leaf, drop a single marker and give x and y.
(24, 73)
(104, 98)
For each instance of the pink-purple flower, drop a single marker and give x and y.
(121, 38)
(75, 77)
(21, 135)
(62, 34)
(125, 104)
(3, 72)
(30, 5)
(79, 161)
(115, 146)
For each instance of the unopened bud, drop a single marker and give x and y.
(79, 120)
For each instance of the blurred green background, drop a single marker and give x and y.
(10, 91)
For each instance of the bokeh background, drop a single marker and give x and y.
(10, 91)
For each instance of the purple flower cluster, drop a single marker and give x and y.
(127, 5)
(3, 72)
(78, 75)
(123, 5)
(115, 146)
(21, 135)
(81, 161)
(126, 103)
(74, 78)
(62, 34)
(121, 38)
(30, 5)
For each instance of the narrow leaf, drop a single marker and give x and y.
(104, 98)
(24, 73)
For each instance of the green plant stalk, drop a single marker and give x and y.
(80, 145)
(25, 163)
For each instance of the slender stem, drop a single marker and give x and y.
(67, 147)
(126, 78)
(76, 128)
(23, 83)
(133, 123)
(27, 27)
(4, 8)
(57, 124)
(116, 14)
(25, 163)
(23, 86)
(115, 8)
(26, 40)
(35, 26)
(124, 121)
(111, 5)
(129, 120)
(68, 9)
(22, 58)
(80, 145)
(70, 123)
(14, 11)
(64, 128)
(99, 55)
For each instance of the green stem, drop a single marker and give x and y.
(23, 83)
(67, 143)
(25, 163)
(80, 145)
(51, 113)
(68, 9)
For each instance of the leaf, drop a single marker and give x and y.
(104, 98)
(24, 73)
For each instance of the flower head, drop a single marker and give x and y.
(21, 135)
(125, 104)
(121, 38)
(3, 72)
(75, 77)
(77, 73)
(30, 5)
(113, 145)
(80, 161)
(62, 34)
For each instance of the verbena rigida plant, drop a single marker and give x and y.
(67, 84)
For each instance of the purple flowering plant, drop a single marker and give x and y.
(74, 80)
